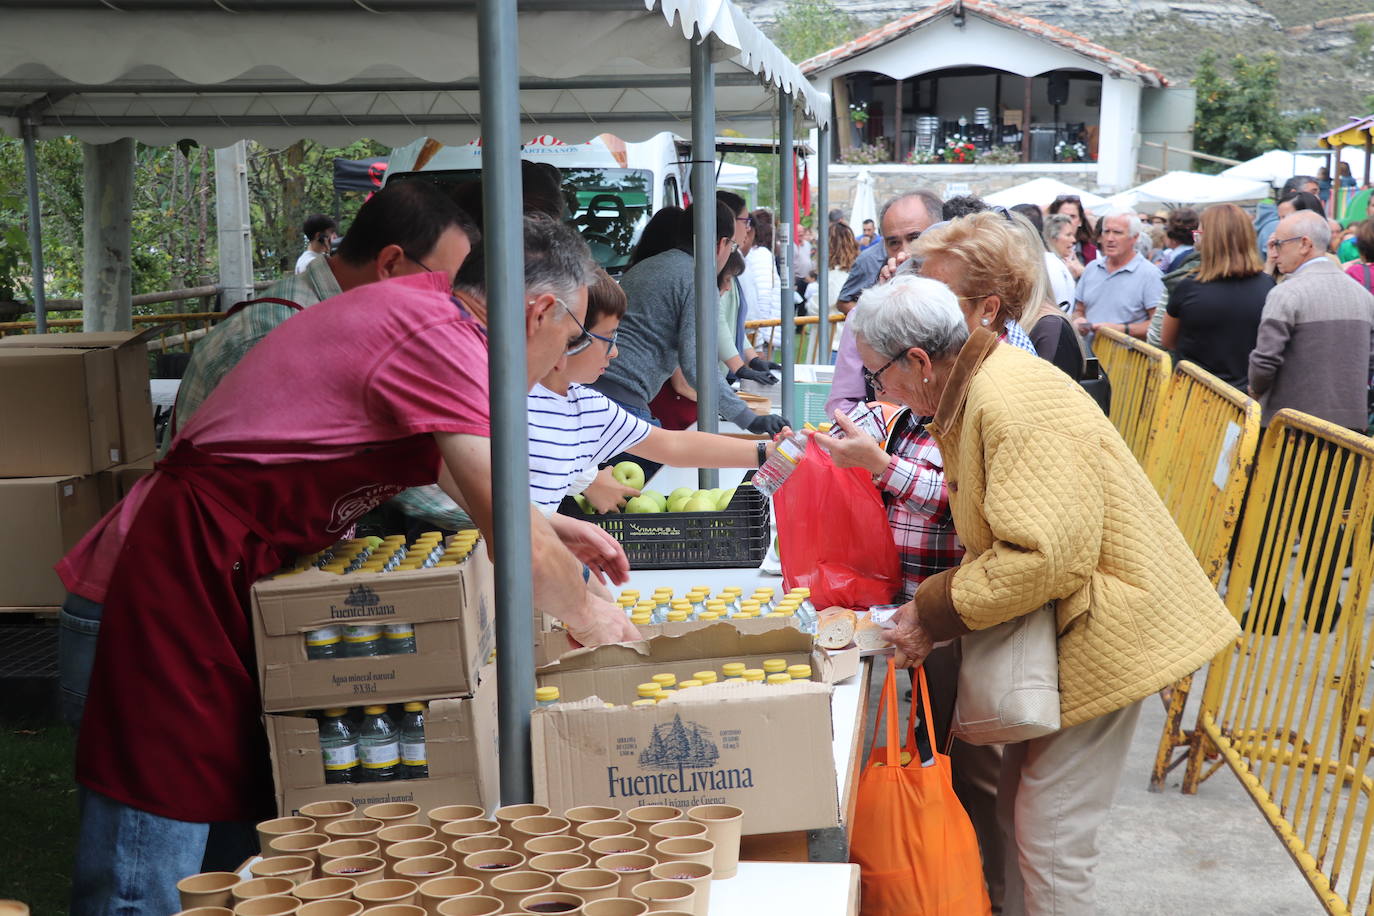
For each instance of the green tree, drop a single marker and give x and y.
(1238, 116)
(805, 28)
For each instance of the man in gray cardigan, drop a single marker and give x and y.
(1315, 350)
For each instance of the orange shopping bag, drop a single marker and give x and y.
(913, 842)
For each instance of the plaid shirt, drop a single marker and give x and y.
(229, 341)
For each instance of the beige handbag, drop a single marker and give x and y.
(1009, 681)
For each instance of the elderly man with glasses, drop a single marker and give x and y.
(1121, 289)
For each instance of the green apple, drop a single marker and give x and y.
(700, 504)
(676, 503)
(642, 504)
(584, 504)
(630, 474)
(684, 492)
(658, 498)
(725, 498)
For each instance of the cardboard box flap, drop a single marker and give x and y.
(718, 641)
(286, 606)
(80, 340)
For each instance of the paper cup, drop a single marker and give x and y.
(540, 825)
(194, 911)
(354, 828)
(615, 906)
(512, 887)
(470, 844)
(327, 812)
(552, 902)
(359, 868)
(325, 889)
(281, 826)
(260, 887)
(298, 844)
(209, 888)
(445, 814)
(723, 826)
(666, 895)
(595, 830)
(476, 826)
(388, 890)
(610, 845)
(483, 865)
(276, 905)
(436, 890)
(646, 816)
(393, 813)
(555, 863)
(425, 867)
(475, 905)
(686, 849)
(540, 845)
(693, 873)
(633, 867)
(586, 814)
(396, 909)
(401, 833)
(410, 849)
(667, 830)
(589, 883)
(508, 815)
(343, 849)
(335, 907)
(296, 869)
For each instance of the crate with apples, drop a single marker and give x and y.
(686, 528)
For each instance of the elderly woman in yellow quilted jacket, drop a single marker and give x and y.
(1052, 508)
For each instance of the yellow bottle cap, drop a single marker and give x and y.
(435, 535)
(732, 590)
(764, 590)
(709, 615)
(645, 605)
(414, 707)
(753, 675)
(647, 690)
(678, 615)
(629, 593)
(706, 677)
(448, 562)
(336, 712)
(733, 669)
(546, 694)
(801, 590)
(785, 610)
(705, 589)
(775, 679)
(641, 620)
(689, 683)
(665, 590)
(749, 605)
(664, 680)
(374, 710)
(799, 672)
(716, 604)
(648, 701)
(746, 615)
(373, 541)
(774, 665)
(681, 605)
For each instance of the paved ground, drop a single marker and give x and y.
(1168, 854)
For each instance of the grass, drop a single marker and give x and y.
(38, 809)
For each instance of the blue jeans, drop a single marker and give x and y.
(128, 861)
(78, 631)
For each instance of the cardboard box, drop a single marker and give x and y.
(60, 413)
(132, 390)
(452, 610)
(116, 483)
(461, 746)
(764, 749)
(47, 516)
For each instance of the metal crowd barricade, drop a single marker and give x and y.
(806, 339)
(1200, 462)
(1289, 704)
(1139, 374)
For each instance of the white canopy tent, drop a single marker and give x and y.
(1275, 167)
(865, 204)
(1042, 192)
(1189, 188)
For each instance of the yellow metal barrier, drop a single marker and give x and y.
(1288, 705)
(1139, 374)
(805, 325)
(1200, 461)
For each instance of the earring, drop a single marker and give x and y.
(926, 380)
(985, 322)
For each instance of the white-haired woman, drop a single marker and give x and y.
(1051, 507)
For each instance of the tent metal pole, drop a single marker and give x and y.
(704, 231)
(498, 57)
(787, 311)
(823, 244)
(40, 299)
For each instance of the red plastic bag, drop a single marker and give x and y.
(833, 535)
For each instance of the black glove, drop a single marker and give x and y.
(769, 425)
(763, 365)
(755, 375)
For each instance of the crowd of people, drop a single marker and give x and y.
(360, 382)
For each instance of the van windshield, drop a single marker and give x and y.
(609, 207)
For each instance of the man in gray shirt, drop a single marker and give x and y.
(659, 333)
(1119, 290)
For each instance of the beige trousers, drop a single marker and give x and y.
(1053, 798)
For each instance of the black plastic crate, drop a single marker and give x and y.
(736, 536)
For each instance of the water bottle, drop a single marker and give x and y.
(339, 747)
(546, 696)
(398, 639)
(362, 641)
(779, 466)
(414, 762)
(322, 643)
(379, 746)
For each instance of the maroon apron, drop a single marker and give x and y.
(173, 720)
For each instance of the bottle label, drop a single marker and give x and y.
(400, 630)
(380, 756)
(341, 758)
(324, 636)
(790, 450)
(413, 754)
(361, 633)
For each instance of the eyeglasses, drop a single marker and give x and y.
(1278, 242)
(583, 340)
(873, 378)
(747, 220)
(423, 266)
(608, 341)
